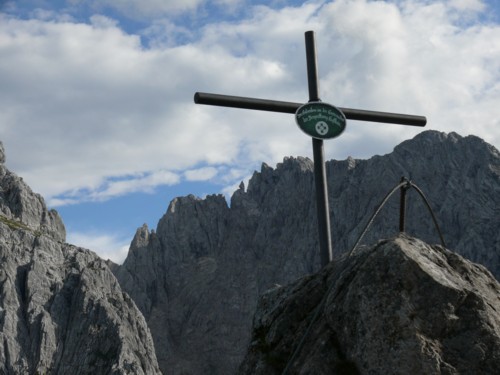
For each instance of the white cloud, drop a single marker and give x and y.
(112, 188)
(151, 9)
(85, 103)
(85, 107)
(143, 8)
(107, 246)
(146, 183)
(200, 174)
(466, 5)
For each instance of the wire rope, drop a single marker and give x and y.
(379, 208)
(404, 184)
(422, 195)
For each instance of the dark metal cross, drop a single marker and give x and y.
(325, 241)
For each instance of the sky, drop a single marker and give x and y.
(96, 97)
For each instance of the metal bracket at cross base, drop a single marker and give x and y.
(323, 211)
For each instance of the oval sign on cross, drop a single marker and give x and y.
(320, 120)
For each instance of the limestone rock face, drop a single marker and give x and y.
(400, 307)
(62, 310)
(19, 203)
(197, 278)
(2, 153)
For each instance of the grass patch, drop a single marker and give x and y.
(18, 225)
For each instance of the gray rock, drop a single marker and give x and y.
(400, 307)
(2, 153)
(19, 204)
(62, 310)
(197, 279)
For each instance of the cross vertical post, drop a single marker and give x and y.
(322, 207)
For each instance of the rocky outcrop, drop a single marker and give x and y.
(19, 204)
(62, 311)
(197, 278)
(400, 307)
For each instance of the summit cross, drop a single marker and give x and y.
(325, 238)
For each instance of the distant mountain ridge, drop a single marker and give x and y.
(197, 278)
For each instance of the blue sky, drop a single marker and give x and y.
(96, 96)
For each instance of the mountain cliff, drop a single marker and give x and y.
(61, 309)
(197, 278)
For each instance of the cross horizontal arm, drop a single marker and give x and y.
(289, 107)
(246, 103)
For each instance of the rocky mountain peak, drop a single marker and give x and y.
(450, 142)
(141, 238)
(285, 172)
(62, 310)
(21, 207)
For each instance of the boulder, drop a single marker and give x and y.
(399, 307)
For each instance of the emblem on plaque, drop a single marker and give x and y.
(320, 120)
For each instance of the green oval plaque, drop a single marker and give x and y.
(320, 120)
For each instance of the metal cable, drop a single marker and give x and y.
(431, 212)
(321, 305)
(323, 300)
(370, 222)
